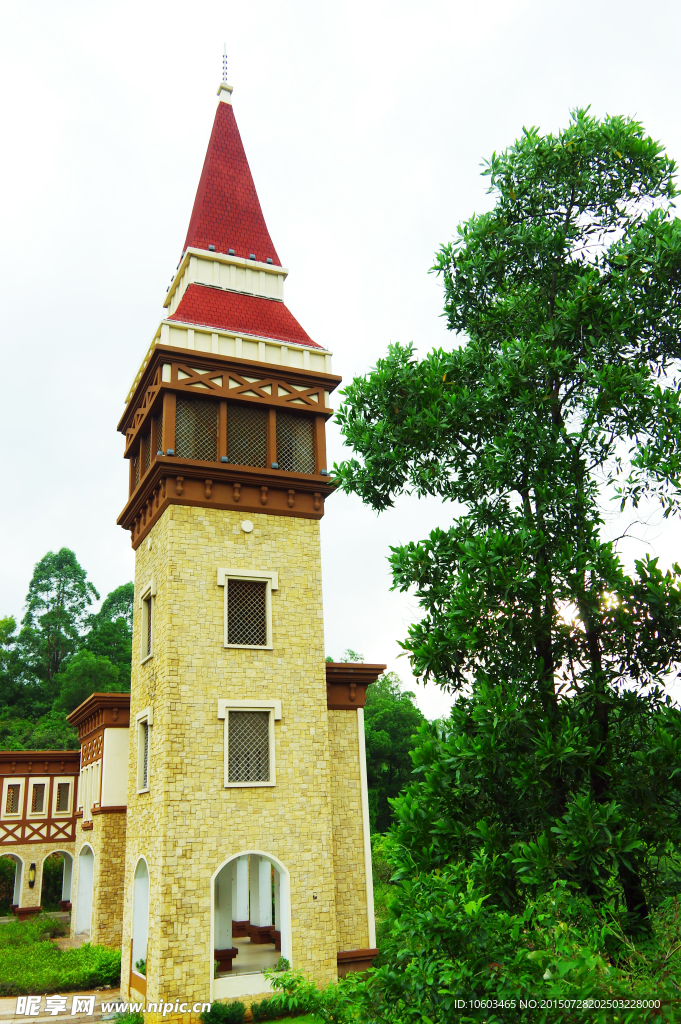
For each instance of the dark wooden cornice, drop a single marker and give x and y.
(101, 711)
(172, 481)
(347, 682)
(39, 762)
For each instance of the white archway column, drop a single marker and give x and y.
(67, 878)
(240, 912)
(223, 909)
(86, 876)
(277, 908)
(261, 899)
(18, 871)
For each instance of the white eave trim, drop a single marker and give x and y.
(248, 705)
(220, 257)
(223, 332)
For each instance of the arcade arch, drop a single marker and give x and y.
(251, 914)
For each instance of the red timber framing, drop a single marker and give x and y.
(347, 682)
(48, 768)
(168, 480)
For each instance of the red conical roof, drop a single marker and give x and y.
(226, 210)
(206, 306)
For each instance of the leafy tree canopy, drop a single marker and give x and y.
(85, 674)
(62, 654)
(391, 719)
(57, 603)
(562, 388)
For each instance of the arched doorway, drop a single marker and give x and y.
(140, 917)
(57, 872)
(11, 868)
(251, 914)
(86, 877)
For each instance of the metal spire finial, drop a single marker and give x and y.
(224, 63)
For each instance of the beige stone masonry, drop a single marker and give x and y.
(107, 837)
(189, 824)
(34, 853)
(352, 928)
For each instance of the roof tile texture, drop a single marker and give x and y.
(227, 211)
(242, 314)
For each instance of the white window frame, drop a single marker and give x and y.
(142, 718)
(255, 576)
(60, 780)
(274, 708)
(39, 780)
(5, 786)
(147, 601)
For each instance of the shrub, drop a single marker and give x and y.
(45, 968)
(128, 1018)
(37, 929)
(224, 1013)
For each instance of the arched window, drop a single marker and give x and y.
(140, 917)
(86, 877)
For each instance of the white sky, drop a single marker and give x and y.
(364, 124)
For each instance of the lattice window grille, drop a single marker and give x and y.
(246, 435)
(295, 443)
(147, 625)
(196, 429)
(38, 798)
(12, 803)
(248, 746)
(63, 793)
(137, 470)
(145, 755)
(159, 432)
(247, 612)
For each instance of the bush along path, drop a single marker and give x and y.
(31, 964)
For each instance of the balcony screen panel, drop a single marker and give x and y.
(196, 429)
(295, 443)
(246, 435)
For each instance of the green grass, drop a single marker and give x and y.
(25, 933)
(36, 967)
(309, 1018)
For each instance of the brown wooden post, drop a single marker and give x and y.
(154, 438)
(132, 473)
(143, 455)
(271, 437)
(169, 407)
(320, 443)
(222, 429)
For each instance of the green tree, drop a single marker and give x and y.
(57, 603)
(85, 674)
(562, 387)
(391, 719)
(110, 632)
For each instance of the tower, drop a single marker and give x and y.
(247, 817)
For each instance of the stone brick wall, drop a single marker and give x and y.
(34, 853)
(107, 837)
(352, 926)
(188, 824)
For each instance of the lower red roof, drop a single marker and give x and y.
(243, 314)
